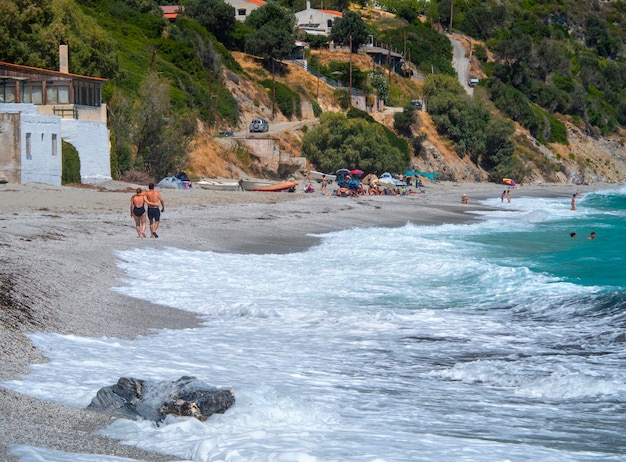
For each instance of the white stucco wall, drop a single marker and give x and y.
(43, 164)
(91, 140)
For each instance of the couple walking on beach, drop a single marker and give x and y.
(138, 212)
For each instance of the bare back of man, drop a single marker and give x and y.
(154, 199)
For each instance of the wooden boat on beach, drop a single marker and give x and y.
(219, 184)
(267, 186)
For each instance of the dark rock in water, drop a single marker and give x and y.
(154, 400)
(621, 337)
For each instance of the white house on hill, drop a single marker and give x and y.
(243, 8)
(316, 22)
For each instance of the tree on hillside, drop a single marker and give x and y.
(216, 16)
(160, 136)
(440, 83)
(273, 35)
(349, 29)
(31, 32)
(339, 141)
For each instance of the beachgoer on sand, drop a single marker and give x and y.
(324, 185)
(153, 199)
(138, 212)
(464, 199)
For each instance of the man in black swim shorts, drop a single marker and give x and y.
(153, 198)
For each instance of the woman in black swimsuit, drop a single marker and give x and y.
(138, 212)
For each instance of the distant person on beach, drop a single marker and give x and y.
(138, 212)
(592, 235)
(464, 199)
(153, 198)
(508, 195)
(573, 202)
(324, 185)
(503, 196)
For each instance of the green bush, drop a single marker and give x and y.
(287, 100)
(317, 110)
(342, 98)
(71, 164)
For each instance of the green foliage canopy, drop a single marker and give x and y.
(339, 141)
(273, 32)
(349, 29)
(216, 16)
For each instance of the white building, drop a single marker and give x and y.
(243, 8)
(316, 22)
(38, 108)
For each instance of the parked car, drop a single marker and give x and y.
(472, 82)
(227, 134)
(417, 104)
(259, 125)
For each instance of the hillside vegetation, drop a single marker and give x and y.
(551, 104)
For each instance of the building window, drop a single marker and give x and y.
(32, 93)
(241, 11)
(7, 92)
(329, 24)
(29, 146)
(57, 94)
(87, 94)
(54, 144)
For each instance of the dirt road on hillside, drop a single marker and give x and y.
(461, 64)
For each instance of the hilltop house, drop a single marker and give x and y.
(39, 108)
(171, 12)
(312, 21)
(243, 8)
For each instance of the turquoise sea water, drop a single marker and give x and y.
(492, 341)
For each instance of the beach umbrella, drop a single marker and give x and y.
(508, 181)
(370, 179)
(356, 171)
(411, 173)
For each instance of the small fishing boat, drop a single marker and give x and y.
(267, 186)
(219, 184)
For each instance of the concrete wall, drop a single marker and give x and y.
(91, 140)
(10, 165)
(41, 157)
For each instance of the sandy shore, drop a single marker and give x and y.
(58, 249)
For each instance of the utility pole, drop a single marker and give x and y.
(451, 15)
(273, 87)
(350, 95)
(210, 108)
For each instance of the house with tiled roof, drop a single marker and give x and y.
(312, 21)
(171, 12)
(41, 107)
(243, 8)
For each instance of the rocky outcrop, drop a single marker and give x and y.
(152, 400)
